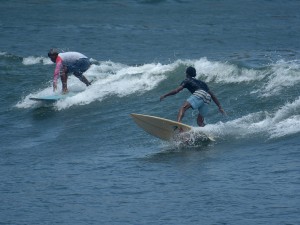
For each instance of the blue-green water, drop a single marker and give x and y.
(84, 161)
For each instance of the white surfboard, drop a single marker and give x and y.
(165, 129)
(52, 98)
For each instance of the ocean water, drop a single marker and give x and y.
(83, 160)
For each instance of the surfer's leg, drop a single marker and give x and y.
(82, 78)
(79, 68)
(64, 79)
(200, 120)
(186, 105)
(203, 109)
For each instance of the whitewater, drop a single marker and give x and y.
(266, 83)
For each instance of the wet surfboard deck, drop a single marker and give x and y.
(166, 129)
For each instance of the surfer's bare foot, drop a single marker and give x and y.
(65, 91)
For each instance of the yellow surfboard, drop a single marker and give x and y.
(163, 128)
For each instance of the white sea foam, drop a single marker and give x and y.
(285, 121)
(275, 77)
(225, 73)
(119, 80)
(282, 75)
(108, 79)
(31, 60)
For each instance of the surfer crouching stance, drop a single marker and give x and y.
(200, 98)
(69, 62)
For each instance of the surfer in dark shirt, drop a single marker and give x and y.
(200, 98)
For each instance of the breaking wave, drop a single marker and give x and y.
(119, 80)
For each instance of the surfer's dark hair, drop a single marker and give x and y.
(191, 71)
(52, 51)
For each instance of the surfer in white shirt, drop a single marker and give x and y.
(68, 62)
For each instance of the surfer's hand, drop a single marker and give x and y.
(54, 86)
(222, 111)
(161, 97)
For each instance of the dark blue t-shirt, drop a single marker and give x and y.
(193, 85)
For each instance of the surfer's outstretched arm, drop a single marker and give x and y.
(173, 92)
(216, 101)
